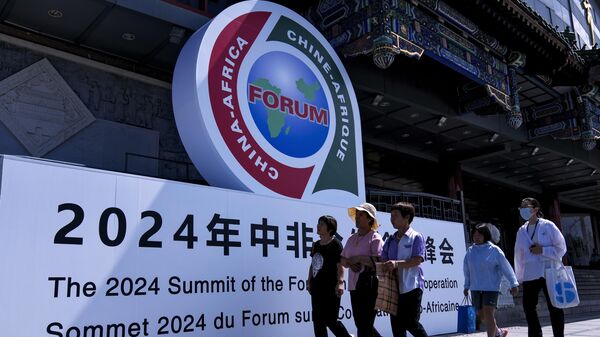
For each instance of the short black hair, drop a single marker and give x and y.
(484, 230)
(330, 222)
(405, 208)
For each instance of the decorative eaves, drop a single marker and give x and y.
(529, 17)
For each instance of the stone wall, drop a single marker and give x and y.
(133, 124)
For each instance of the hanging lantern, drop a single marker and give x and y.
(589, 144)
(514, 119)
(384, 52)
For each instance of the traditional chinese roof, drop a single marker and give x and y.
(590, 56)
(513, 21)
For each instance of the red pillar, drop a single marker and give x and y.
(554, 211)
(554, 216)
(455, 181)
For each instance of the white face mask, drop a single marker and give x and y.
(526, 213)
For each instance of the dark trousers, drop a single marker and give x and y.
(409, 313)
(326, 306)
(363, 310)
(531, 291)
(337, 328)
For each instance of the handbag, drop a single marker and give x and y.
(387, 291)
(466, 317)
(367, 280)
(561, 286)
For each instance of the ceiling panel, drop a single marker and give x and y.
(166, 57)
(411, 115)
(487, 163)
(437, 124)
(71, 18)
(108, 34)
(411, 135)
(468, 134)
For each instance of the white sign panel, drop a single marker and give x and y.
(92, 253)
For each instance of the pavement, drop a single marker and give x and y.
(580, 326)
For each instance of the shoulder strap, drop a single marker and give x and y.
(388, 242)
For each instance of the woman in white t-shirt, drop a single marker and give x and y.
(540, 244)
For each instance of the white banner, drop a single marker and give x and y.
(87, 252)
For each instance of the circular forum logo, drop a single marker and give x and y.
(263, 104)
(288, 104)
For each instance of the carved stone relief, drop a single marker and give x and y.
(41, 109)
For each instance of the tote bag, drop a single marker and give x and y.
(561, 285)
(466, 317)
(387, 291)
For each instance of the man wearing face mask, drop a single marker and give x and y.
(539, 245)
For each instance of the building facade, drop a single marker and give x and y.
(466, 106)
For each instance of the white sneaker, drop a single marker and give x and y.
(502, 333)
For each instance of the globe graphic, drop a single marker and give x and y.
(286, 75)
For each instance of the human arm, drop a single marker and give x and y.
(340, 280)
(417, 256)
(373, 253)
(466, 273)
(519, 258)
(411, 262)
(386, 249)
(309, 279)
(347, 260)
(558, 246)
(387, 265)
(310, 274)
(375, 250)
(351, 262)
(339, 290)
(507, 271)
(364, 260)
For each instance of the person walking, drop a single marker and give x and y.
(539, 245)
(403, 253)
(483, 267)
(361, 252)
(326, 280)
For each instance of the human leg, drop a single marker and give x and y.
(329, 309)
(362, 313)
(489, 318)
(370, 308)
(320, 328)
(478, 305)
(370, 312)
(531, 289)
(397, 331)
(409, 313)
(557, 316)
(338, 329)
(480, 317)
